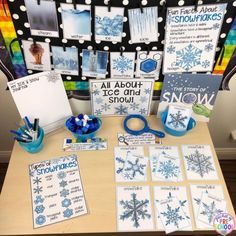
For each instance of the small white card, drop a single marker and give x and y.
(165, 163)
(148, 64)
(191, 37)
(130, 164)
(134, 140)
(57, 191)
(122, 66)
(199, 162)
(143, 25)
(134, 211)
(109, 24)
(166, 192)
(120, 97)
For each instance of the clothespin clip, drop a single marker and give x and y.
(148, 50)
(64, 47)
(141, 6)
(163, 4)
(10, 46)
(109, 6)
(196, 5)
(94, 50)
(4, 8)
(121, 51)
(74, 4)
(221, 56)
(38, 2)
(34, 42)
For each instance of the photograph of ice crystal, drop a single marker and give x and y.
(177, 120)
(122, 64)
(135, 210)
(65, 61)
(168, 169)
(94, 64)
(76, 22)
(199, 163)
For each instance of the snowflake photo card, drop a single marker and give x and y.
(197, 191)
(148, 64)
(109, 24)
(143, 24)
(134, 210)
(122, 66)
(165, 163)
(199, 162)
(166, 192)
(191, 37)
(130, 164)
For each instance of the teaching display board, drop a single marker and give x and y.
(60, 36)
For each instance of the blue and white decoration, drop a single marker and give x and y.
(207, 200)
(109, 24)
(191, 37)
(199, 162)
(56, 188)
(117, 96)
(149, 64)
(134, 212)
(76, 22)
(143, 25)
(122, 66)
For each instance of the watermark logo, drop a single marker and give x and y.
(224, 223)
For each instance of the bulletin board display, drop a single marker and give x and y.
(77, 86)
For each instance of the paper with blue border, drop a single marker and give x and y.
(191, 37)
(57, 191)
(119, 97)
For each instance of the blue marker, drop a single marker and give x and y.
(19, 134)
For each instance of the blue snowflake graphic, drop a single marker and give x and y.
(98, 112)
(64, 192)
(170, 49)
(143, 99)
(177, 120)
(39, 199)
(216, 26)
(172, 216)
(205, 64)
(38, 190)
(40, 220)
(168, 169)
(134, 168)
(39, 209)
(135, 210)
(37, 180)
(63, 183)
(61, 175)
(106, 107)
(68, 213)
(199, 163)
(122, 64)
(143, 111)
(66, 202)
(208, 47)
(95, 92)
(31, 173)
(147, 91)
(134, 106)
(98, 100)
(188, 57)
(121, 110)
(120, 160)
(210, 211)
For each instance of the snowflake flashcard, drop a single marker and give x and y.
(167, 192)
(109, 24)
(130, 164)
(122, 66)
(134, 211)
(210, 206)
(197, 192)
(143, 25)
(165, 163)
(148, 64)
(190, 39)
(199, 162)
(57, 191)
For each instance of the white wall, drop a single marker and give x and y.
(223, 119)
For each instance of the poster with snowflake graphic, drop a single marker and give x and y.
(191, 37)
(166, 192)
(197, 192)
(119, 97)
(199, 162)
(195, 91)
(122, 66)
(57, 191)
(134, 211)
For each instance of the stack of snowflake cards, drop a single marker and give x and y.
(207, 201)
(130, 164)
(134, 211)
(199, 162)
(165, 163)
(171, 215)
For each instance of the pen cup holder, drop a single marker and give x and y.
(35, 146)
